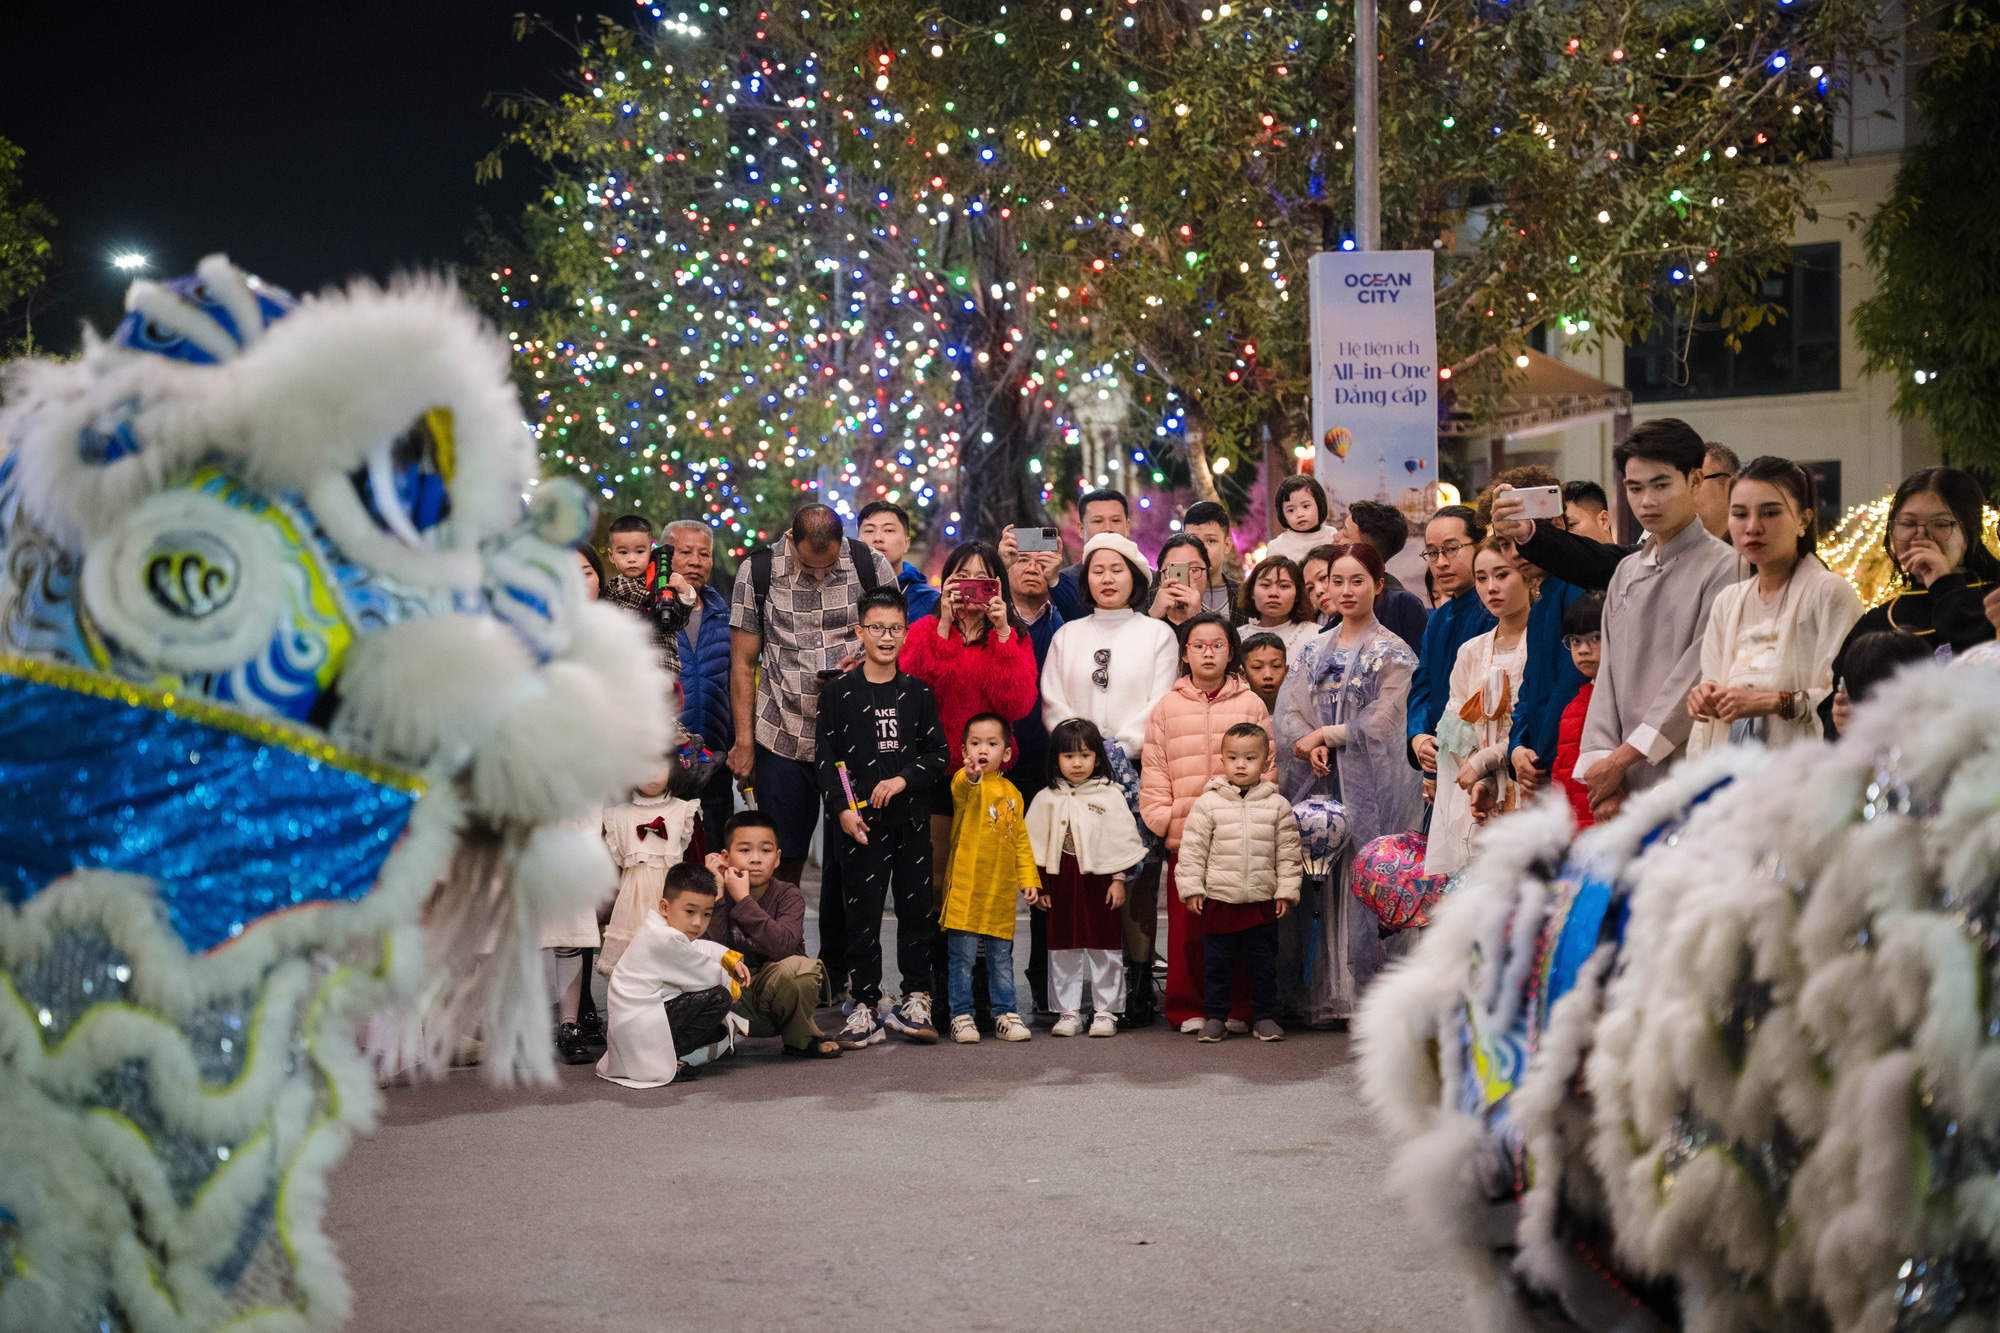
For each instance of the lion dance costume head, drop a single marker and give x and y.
(297, 687)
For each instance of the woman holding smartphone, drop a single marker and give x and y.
(1182, 592)
(976, 659)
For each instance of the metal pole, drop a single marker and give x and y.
(1367, 131)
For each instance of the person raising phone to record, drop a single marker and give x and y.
(976, 657)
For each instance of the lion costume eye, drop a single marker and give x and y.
(406, 485)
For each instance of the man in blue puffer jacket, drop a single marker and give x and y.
(704, 645)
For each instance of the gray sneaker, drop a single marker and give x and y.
(1267, 1030)
(1213, 1030)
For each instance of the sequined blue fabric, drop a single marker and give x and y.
(230, 827)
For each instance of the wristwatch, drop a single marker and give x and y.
(1788, 702)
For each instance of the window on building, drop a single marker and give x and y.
(1800, 353)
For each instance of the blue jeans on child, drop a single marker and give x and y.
(961, 948)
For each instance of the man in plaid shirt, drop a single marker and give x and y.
(808, 625)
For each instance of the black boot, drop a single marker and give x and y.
(1140, 1008)
(572, 1046)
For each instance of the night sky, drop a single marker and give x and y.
(309, 142)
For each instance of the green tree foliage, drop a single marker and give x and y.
(1167, 170)
(24, 248)
(713, 315)
(1934, 323)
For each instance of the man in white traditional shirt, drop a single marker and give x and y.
(1655, 612)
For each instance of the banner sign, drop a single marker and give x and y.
(1374, 379)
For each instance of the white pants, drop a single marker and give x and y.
(1107, 979)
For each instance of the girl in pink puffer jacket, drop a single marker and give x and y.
(1183, 750)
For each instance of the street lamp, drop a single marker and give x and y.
(130, 262)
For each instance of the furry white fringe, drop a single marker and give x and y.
(1780, 1093)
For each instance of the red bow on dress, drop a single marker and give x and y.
(658, 828)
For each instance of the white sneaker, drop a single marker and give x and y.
(1103, 1024)
(861, 1029)
(1009, 1027)
(964, 1030)
(1191, 1025)
(1237, 1026)
(1068, 1025)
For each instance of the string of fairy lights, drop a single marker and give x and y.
(750, 308)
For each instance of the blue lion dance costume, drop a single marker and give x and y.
(297, 685)
(1732, 1061)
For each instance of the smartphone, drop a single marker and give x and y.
(1038, 539)
(977, 592)
(1175, 572)
(1540, 501)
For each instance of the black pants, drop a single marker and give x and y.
(718, 802)
(1029, 775)
(696, 1017)
(894, 866)
(833, 915)
(1255, 946)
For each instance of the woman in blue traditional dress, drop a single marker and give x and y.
(1340, 730)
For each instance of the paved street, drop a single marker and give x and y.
(1141, 1181)
(1137, 1182)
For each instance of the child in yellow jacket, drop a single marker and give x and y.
(991, 861)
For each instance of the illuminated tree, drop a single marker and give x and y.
(714, 317)
(1167, 170)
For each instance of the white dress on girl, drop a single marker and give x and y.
(1485, 686)
(647, 836)
(1083, 836)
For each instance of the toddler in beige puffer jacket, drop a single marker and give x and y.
(1241, 846)
(1240, 870)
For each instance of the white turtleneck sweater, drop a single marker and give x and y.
(1144, 662)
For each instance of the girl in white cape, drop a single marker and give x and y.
(1087, 844)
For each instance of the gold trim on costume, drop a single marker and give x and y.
(284, 735)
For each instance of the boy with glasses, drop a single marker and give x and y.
(1449, 539)
(880, 750)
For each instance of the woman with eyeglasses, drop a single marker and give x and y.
(1767, 654)
(1110, 667)
(1341, 734)
(975, 658)
(1944, 572)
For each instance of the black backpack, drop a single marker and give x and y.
(760, 571)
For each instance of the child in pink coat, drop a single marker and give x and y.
(1183, 750)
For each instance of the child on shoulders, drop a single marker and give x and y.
(1087, 844)
(991, 862)
(670, 994)
(1240, 870)
(1302, 518)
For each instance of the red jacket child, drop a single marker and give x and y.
(1569, 738)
